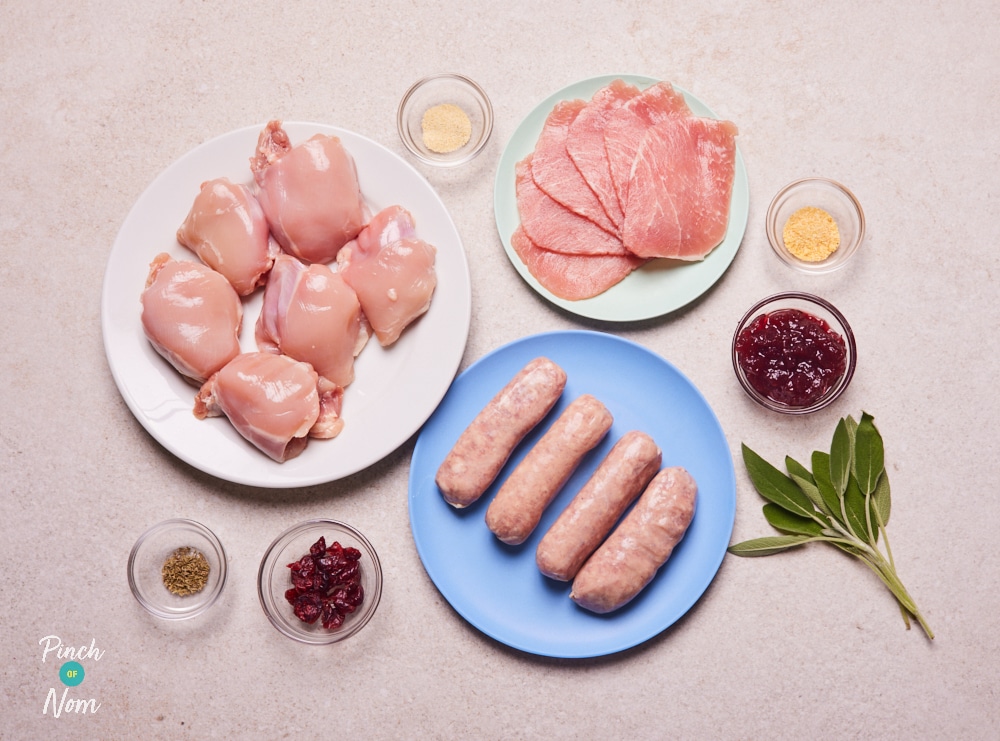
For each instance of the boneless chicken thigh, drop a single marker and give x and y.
(392, 271)
(310, 313)
(309, 193)
(273, 401)
(227, 229)
(191, 315)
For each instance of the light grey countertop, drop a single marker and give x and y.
(900, 101)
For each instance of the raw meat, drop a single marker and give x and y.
(680, 187)
(309, 193)
(554, 227)
(585, 145)
(572, 277)
(273, 401)
(555, 173)
(627, 124)
(191, 315)
(392, 271)
(227, 229)
(309, 313)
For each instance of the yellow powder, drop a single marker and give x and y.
(811, 234)
(445, 128)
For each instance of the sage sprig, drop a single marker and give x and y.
(844, 501)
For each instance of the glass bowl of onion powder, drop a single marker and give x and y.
(445, 119)
(815, 225)
(177, 569)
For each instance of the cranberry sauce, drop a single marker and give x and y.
(791, 357)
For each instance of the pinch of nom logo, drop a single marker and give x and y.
(71, 674)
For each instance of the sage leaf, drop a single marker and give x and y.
(785, 521)
(805, 481)
(768, 546)
(841, 454)
(775, 486)
(852, 428)
(881, 504)
(821, 474)
(869, 454)
(855, 504)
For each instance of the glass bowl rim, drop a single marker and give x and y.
(220, 552)
(476, 89)
(770, 226)
(852, 354)
(371, 602)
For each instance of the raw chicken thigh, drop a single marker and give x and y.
(311, 314)
(309, 193)
(392, 271)
(191, 315)
(227, 229)
(273, 401)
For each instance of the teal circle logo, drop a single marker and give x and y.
(71, 673)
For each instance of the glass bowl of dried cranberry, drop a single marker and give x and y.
(794, 353)
(320, 582)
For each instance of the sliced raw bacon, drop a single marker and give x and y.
(626, 125)
(554, 171)
(585, 144)
(552, 226)
(680, 187)
(572, 277)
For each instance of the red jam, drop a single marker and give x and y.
(791, 357)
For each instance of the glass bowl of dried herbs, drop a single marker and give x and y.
(445, 119)
(815, 225)
(320, 582)
(177, 569)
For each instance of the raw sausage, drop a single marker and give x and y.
(486, 444)
(581, 527)
(630, 557)
(517, 508)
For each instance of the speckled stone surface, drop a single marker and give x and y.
(900, 101)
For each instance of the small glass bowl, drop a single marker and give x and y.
(833, 198)
(819, 308)
(154, 547)
(434, 90)
(274, 579)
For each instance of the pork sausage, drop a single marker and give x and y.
(581, 527)
(518, 506)
(486, 444)
(629, 559)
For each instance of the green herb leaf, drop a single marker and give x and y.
(805, 481)
(852, 428)
(841, 454)
(854, 504)
(821, 474)
(768, 546)
(775, 486)
(869, 454)
(785, 521)
(881, 502)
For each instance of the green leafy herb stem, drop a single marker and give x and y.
(844, 501)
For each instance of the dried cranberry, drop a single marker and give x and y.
(308, 607)
(326, 584)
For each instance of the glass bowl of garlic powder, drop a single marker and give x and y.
(815, 225)
(445, 119)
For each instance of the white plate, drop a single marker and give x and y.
(660, 286)
(395, 390)
(497, 587)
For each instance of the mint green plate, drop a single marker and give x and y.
(660, 286)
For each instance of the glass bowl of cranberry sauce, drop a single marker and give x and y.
(320, 582)
(794, 353)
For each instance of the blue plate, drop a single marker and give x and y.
(498, 588)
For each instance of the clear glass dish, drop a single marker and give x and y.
(274, 579)
(819, 308)
(833, 198)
